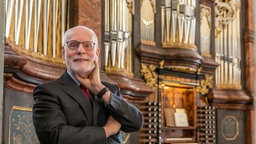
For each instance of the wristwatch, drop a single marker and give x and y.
(102, 92)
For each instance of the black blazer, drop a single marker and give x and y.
(62, 114)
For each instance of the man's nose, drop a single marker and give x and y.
(81, 48)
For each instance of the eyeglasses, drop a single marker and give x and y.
(87, 45)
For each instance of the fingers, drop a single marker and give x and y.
(96, 64)
(94, 75)
(80, 79)
(112, 126)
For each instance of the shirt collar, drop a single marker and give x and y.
(73, 77)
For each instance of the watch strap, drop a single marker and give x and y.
(102, 92)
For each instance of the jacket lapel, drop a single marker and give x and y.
(73, 90)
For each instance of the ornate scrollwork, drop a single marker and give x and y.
(161, 64)
(205, 85)
(130, 5)
(225, 12)
(149, 74)
(21, 128)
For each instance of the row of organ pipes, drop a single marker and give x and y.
(118, 28)
(36, 27)
(179, 27)
(147, 21)
(228, 44)
(41, 36)
(178, 23)
(177, 19)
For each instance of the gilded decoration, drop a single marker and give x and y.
(205, 85)
(178, 81)
(149, 74)
(230, 129)
(118, 70)
(21, 129)
(182, 69)
(226, 12)
(179, 68)
(161, 64)
(130, 5)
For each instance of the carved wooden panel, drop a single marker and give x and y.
(231, 126)
(18, 117)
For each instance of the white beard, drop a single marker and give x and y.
(83, 71)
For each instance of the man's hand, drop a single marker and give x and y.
(92, 82)
(111, 127)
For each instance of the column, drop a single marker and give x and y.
(254, 94)
(249, 43)
(2, 28)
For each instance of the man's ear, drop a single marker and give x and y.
(98, 52)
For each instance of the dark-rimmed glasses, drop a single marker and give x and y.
(87, 45)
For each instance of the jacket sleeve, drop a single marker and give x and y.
(51, 125)
(128, 115)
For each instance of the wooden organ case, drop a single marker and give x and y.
(178, 69)
(33, 55)
(183, 50)
(190, 54)
(178, 102)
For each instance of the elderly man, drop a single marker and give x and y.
(78, 108)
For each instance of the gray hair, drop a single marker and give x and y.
(67, 34)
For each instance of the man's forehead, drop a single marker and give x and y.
(78, 32)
